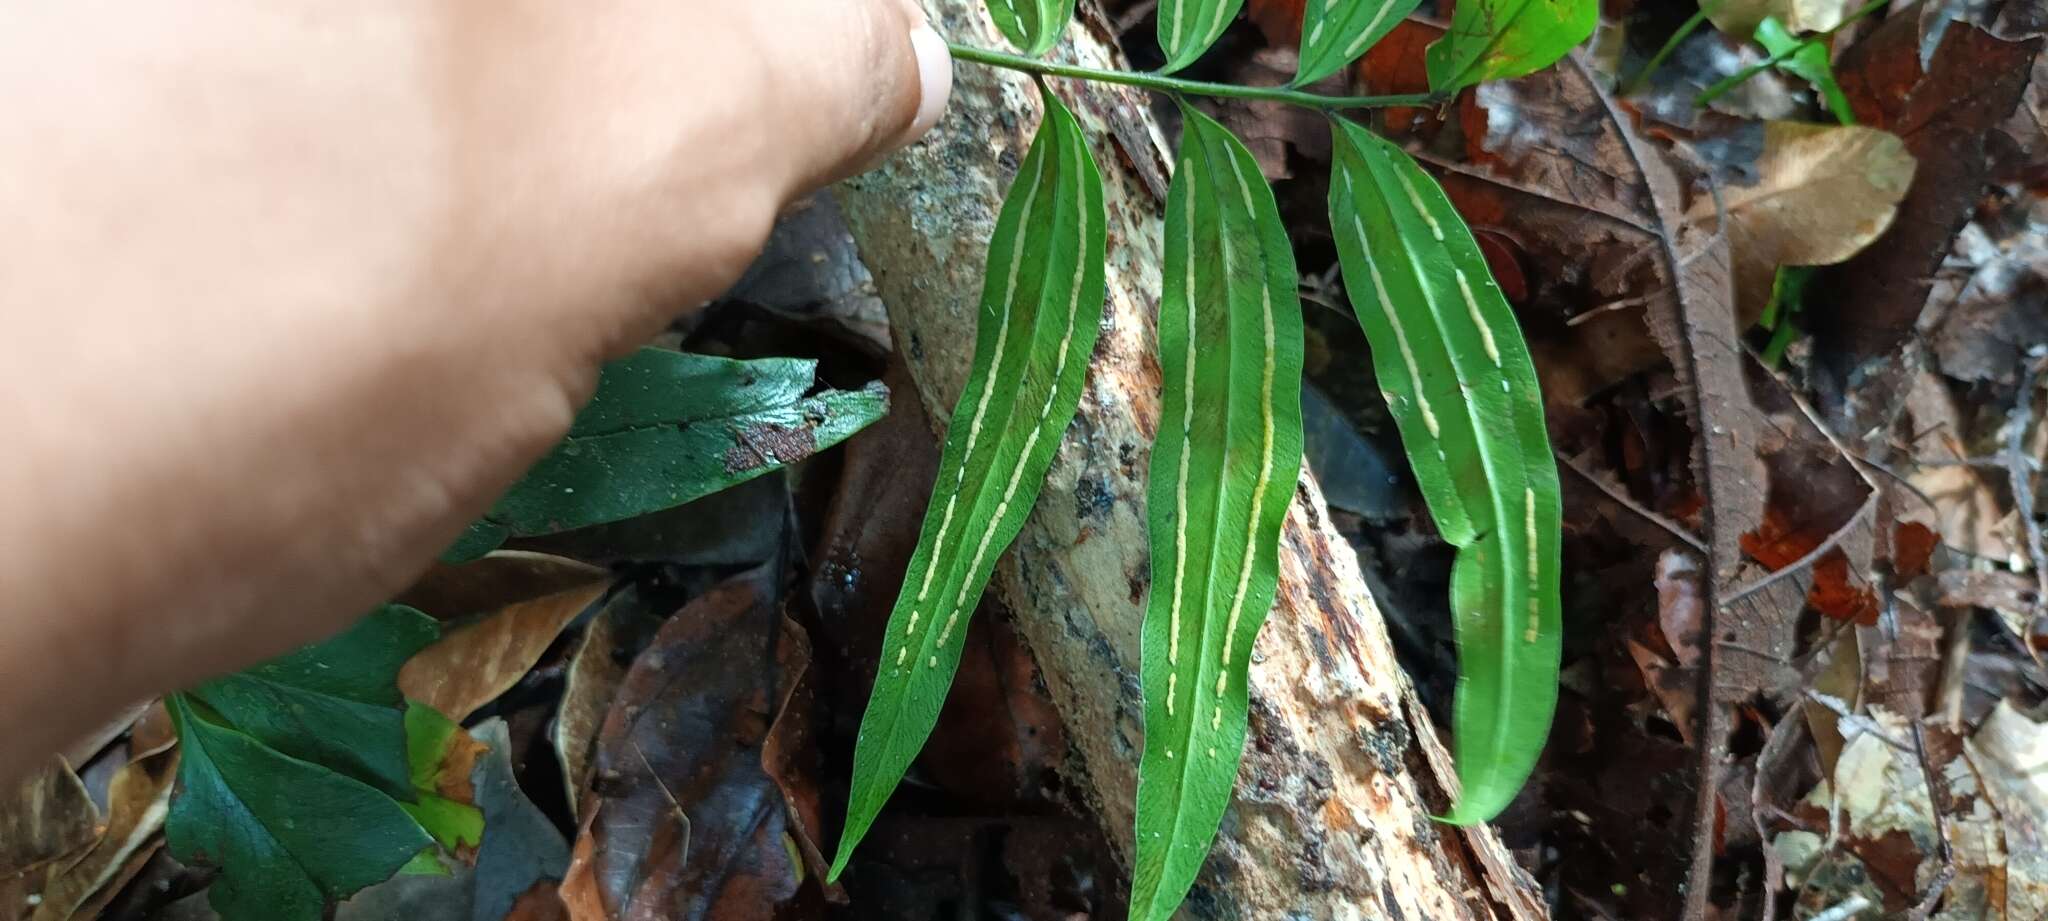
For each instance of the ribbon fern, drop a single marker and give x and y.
(1041, 309)
(1223, 470)
(1456, 372)
(1458, 380)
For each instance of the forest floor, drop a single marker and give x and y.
(1880, 677)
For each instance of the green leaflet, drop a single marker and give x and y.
(1034, 26)
(1498, 39)
(1335, 32)
(1223, 472)
(1809, 62)
(666, 428)
(430, 738)
(1188, 27)
(1462, 390)
(1041, 307)
(292, 773)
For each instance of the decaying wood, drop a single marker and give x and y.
(1343, 768)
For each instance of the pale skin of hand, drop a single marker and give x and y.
(291, 290)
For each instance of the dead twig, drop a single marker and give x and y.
(1812, 556)
(1628, 502)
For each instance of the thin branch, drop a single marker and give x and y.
(1813, 556)
(1628, 502)
(1671, 44)
(1736, 79)
(1165, 84)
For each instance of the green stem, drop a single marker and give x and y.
(1657, 60)
(1736, 79)
(1167, 84)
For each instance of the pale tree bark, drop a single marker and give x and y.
(1343, 767)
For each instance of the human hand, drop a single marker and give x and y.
(293, 289)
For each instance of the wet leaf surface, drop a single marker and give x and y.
(685, 820)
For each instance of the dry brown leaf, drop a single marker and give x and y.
(2010, 753)
(505, 577)
(1824, 192)
(1968, 512)
(615, 637)
(692, 823)
(579, 891)
(137, 802)
(471, 665)
(1913, 546)
(48, 816)
(1841, 679)
(1949, 117)
(1739, 17)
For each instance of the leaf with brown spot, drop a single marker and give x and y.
(666, 428)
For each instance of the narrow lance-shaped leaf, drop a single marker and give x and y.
(1034, 26)
(1458, 380)
(1040, 313)
(1223, 472)
(1498, 39)
(1335, 32)
(1188, 27)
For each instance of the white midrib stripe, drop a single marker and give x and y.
(1358, 44)
(1480, 443)
(1379, 290)
(988, 384)
(1038, 428)
(1216, 21)
(1535, 563)
(1187, 447)
(1244, 575)
(1472, 308)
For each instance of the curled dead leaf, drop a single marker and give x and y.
(1823, 193)
(472, 664)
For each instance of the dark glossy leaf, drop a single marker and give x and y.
(1223, 473)
(288, 835)
(1040, 312)
(665, 428)
(1462, 389)
(336, 703)
(296, 778)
